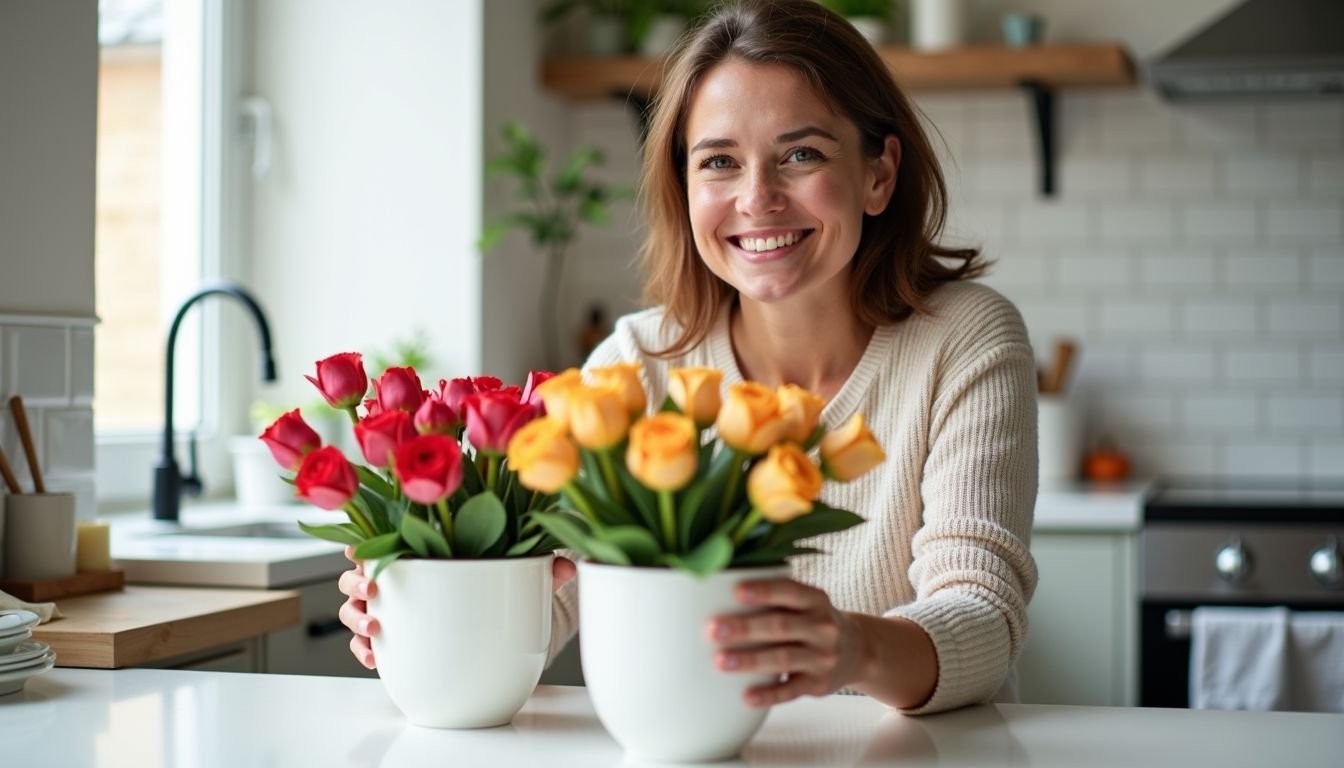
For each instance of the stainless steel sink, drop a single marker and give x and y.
(260, 530)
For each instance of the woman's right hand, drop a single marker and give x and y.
(358, 589)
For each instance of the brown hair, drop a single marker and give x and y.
(897, 263)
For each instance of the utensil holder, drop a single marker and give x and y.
(39, 536)
(1059, 439)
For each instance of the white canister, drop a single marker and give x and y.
(39, 536)
(257, 478)
(937, 24)
(1059, 439)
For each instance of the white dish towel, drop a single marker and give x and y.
(1267, 659)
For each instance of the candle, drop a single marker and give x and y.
(93, 551)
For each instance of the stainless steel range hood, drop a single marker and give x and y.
(1260, 48)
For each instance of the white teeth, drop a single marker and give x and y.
(759, 244)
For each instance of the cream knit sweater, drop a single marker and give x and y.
(952, 398)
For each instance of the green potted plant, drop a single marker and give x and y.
(870, 17)
(554, 206)
(606, 32)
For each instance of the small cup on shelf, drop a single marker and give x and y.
(39, 536)
(1021, 30)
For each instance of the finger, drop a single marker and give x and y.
(794, 687)
(562, 571)
(352, 615)
(774, 627)
(353, 584)
(783, 593)
(350, 553)
(777, 659)
(363, 652)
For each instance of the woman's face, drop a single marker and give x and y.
(777, 183)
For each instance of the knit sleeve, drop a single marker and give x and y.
(972, 569)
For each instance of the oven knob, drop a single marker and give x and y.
(1233, 562)
(1325, 565)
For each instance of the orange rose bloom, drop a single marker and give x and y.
(802, 411)
(850, 451)
(543, 455)
(696, 393)
(597, 416)
(784, 484)
(554, 393)
(750, 420)
(625, 377)
(664, 451)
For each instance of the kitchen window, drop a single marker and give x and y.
(161, 196)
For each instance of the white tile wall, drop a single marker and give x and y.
(1195, 251)
(49, 361)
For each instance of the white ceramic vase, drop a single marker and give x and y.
(462, 643)
(649, 665)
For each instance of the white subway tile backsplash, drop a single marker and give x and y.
(1219, 413)
(1098, 269)
(1053, 222)
(69, 441)
(1217, 317)
(1325, 364)
(1327, 458)
(1134, 416)
(1183, 364)
(1138, 222)
(1182, 456)
(1219, 222)
(1152, 319)
(1250, 459)
(1325, 269)
(1012, 268)
(1267, 175)
(1325, 174)
(1309, 222)
(1252, 364)
(1301, 318)
(36, 358)
(1262, 269)
(1047, 320)
(1298, 413)
(81, 366)
(1165, 176)
(1010, 179)
(1139, 126)
(1102, 366)
(1096, 177)
(1317, 124)
(1213, 126)
(1190, 268)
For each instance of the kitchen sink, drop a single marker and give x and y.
(258, 530)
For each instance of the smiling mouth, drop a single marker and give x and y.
(760, 245)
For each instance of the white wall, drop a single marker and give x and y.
(365, 229)
(48, 119)
(1197, 252)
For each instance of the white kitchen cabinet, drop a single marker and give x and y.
(1081, 646)
(320, 644)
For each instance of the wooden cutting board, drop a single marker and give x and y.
(142, 624)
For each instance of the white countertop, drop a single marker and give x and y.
(1094, 507)
(145, 718)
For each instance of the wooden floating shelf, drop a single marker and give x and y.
(1057, 65)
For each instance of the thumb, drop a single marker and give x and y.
(563, 571)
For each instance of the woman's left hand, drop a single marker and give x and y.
(798, 634)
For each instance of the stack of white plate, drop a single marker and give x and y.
(20, 656)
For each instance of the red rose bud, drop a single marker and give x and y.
(399, 389)
(486, 383)
(435, 417)
(341, 380)
(535, 379)
(326, 479)
(380, 435)
(493, 417)
(371, 408)
(290, 439)
(515, 392)
(429, 468)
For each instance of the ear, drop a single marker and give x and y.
(882, 171)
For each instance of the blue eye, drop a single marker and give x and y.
(717, 162)
(804, 154)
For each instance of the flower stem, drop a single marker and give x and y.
(532, 503)
(357, 517)
(575, 495)
(446, 520)
(740, 533)
(492, 473)
(668, 512)
(613, 482)
(353, 414)
(730, 490)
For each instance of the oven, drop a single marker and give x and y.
(1229, 547)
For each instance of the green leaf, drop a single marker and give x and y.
(637, 543)
(337, 533)
(644, 500)
(374, 481)
(776, 555)
(492, 234)
(524, 546)
(699, 507)
(712, 556)
(814, 438)
(669, 406)
(425, 539)
(374, 508)
(385, 561)
(571, 176)
(472, 479)
(821, 520)
(608, 512)
(570, 531)
(606, 552)
(479, 524)
(378, 546)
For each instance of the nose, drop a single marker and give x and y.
(761, 193)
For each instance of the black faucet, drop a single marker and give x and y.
(169, 482)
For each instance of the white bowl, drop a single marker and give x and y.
(13, 681)
(26, 651)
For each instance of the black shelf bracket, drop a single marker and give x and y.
(1043, 105)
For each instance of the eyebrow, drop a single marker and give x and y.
(782, 138)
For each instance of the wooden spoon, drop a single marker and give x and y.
(26, 435)
(1059, 367)
(8, 473)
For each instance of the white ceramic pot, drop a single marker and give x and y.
(936, 25)
(1059, 435)
(462, 642)
(649, 666)
(256, 476)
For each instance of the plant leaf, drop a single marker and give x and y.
(644, 500)
(425, 539)
(712, 556)
(608, 512)
(636, 542)
(524, 546)
(776, 555)
(337, 533)
(374, 508)
(669, 406)
(374, 481)
(821, 520)
(378, 546)
(471, 477)
(479, 524)
(385, 561)
(569, 530)
(700, 502)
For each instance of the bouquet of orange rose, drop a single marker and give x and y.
(425, 491)
(666, 490)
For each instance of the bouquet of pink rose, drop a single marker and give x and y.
(424, 492)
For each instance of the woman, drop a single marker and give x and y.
(814, 201)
